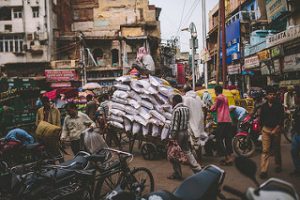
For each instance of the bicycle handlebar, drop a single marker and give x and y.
(120, 152)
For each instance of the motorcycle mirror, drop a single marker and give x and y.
(247, 167)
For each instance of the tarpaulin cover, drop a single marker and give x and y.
(68, 92)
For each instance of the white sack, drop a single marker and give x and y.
(134, 95)
(120, 94)
(136, 128)
(145, 130)
(158, 115)
(93, 141)
(140, 120)
(146, 104)
(117, 106)
(155, 131)
(127, 125)
(123, 87)
(116, 124)
(144, 112)
(117, 112)
(134, 103)
(119, 100)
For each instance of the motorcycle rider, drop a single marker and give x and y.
(271, 119)
(19, 135)
(295, 151)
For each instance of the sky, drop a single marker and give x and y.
(178, 14)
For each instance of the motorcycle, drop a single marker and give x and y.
(245, 141)
(204, 185)
(271, 189)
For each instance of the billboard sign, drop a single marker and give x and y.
(61, 75)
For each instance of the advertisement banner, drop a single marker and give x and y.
(61, 75)
(251, 62)
(276, 51)
(292, 63)
(61, 85)
(263, 55)
(284, 36)
(275, 8)
(234, 69)
(180, 74)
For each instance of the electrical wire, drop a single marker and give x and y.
(181, 18)
(197, 3)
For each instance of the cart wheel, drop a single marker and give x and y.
(161, 149)
(148, 151)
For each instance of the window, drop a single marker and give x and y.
(115, 57)
(98, 55)
(5, 14)
(8, 28)
(18, 13)
(11, 43)
(35, 12)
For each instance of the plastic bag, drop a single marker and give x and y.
(158, 115)
(123, 87)
(93, 141)
(145, 130)
(116, 124)
(165, 132)
(120, 94)
(119, 100)
(117, 106)
(134, 103)
(116, 118)
(146, 104)
(144, 112)
(136, 127)
(117, 112)
(155, 131)
(127, 125)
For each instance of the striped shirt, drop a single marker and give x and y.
(180, 118)
(103, 108)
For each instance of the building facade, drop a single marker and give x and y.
(110, 32)
(27, 44)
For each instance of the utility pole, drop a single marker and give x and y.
(223, 29)
(203, 10)
(193, 45)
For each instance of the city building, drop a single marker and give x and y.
(26, 38)
(104, 36)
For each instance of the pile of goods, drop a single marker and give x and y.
(142, 106)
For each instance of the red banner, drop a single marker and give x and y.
(61, 85)
(61, 75)
(180, 74)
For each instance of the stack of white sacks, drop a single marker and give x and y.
(142, 106)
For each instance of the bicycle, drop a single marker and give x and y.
(95, 181)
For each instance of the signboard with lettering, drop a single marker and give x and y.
(263, 55)
(276, 51)
(251, 62)
(275, 8)
(61, 85)
(284, 36)
(234, 69)
(292, 63)
(61, 75)
(63, 64)
(10, 94)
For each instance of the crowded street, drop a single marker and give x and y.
(149, 100)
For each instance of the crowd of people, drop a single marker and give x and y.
(187, 126)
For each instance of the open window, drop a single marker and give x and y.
(115, 57)
(98, 56)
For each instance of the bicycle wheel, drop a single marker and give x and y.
(143, 177)
(288, 130)
(107, 184)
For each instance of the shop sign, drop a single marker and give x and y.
(264, 69)
(284, 36)
(276, 65)
(63, 64)
(233, 69)
(61, 75)
(251, 62)
(276, 51)
(61, 85)
(263, 55)
(10, 94)
(292, 63)
(275, 8)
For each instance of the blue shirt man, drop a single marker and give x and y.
(239, 112)
(19, 135)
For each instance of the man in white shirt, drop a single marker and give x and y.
(289, 98)
(196, 119)
(74, 125)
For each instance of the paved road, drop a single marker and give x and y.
(161, 169)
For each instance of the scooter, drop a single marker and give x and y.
(204, 185)
(245, 141)
(271, 189)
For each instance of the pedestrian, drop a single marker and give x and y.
(38, 103)
(110, 131)
(295, 151)
(289, 98)
(91, 107)
(48, 113)
(19, 135)
(75, 124)
(6, 119)
(224, 127)
(179, 132)
(271, 119)
(196, 118)
(239, 113)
